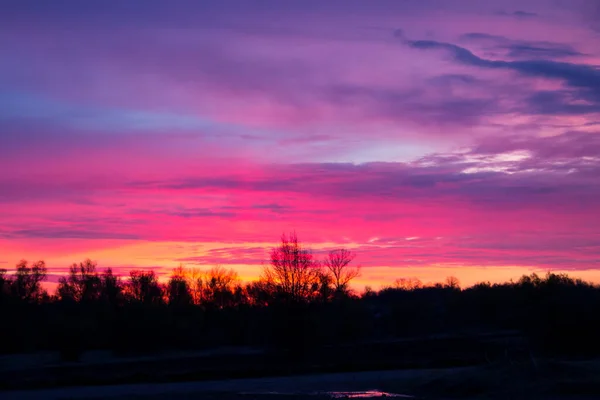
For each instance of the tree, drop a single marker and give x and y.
(408, 283)
(143, 287)
(26, 282)
(240, 295)
(326, 289)
(218, 286)
(178, 289)
(260, 293)
(194, 280)
(369, 292)
(4, 284)
(215, 287)
(293, 273)
(452, 282)
(82, 284)
(337, 264)
(112, 287)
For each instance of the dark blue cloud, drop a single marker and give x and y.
(483, 36)
(450, 79)
(521, 49)
(530, 51)
(559, 102)
(585, 78)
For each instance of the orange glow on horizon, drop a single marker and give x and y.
(163, 257)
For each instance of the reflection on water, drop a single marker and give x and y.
(367, 394)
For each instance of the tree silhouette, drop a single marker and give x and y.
(218, 286)
(178, 289)
(26, 282)
(293, 273)
(293, 308)
(143, 287)
(452, 282)
(408, 284)
(82, 284)
(194, 278)
(554, 314)
(326, 289)
(337, 264)
(112, 287)
(260, 293)
(4, 284)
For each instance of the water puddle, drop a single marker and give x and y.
(367, 394)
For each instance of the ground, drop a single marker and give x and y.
(543, 380)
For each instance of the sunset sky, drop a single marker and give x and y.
(431, 137)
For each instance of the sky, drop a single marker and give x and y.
(430, 137)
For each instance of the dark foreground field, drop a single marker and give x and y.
(547, 380)
(47, 370)
(486, 366)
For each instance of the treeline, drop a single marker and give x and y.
(299, 304)
(293, 276)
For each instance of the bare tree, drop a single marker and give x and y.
(82, 284)
(326, 289)
(337, 264)
(26, 282)
(112, 287)
(369, 292)
(4, 284)
(221, 278)
(293, 273)
(143, 287)
(452, 282)
(195, 281)
(260, 292)
(408, 283)
(178, 289)
(218, 286)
